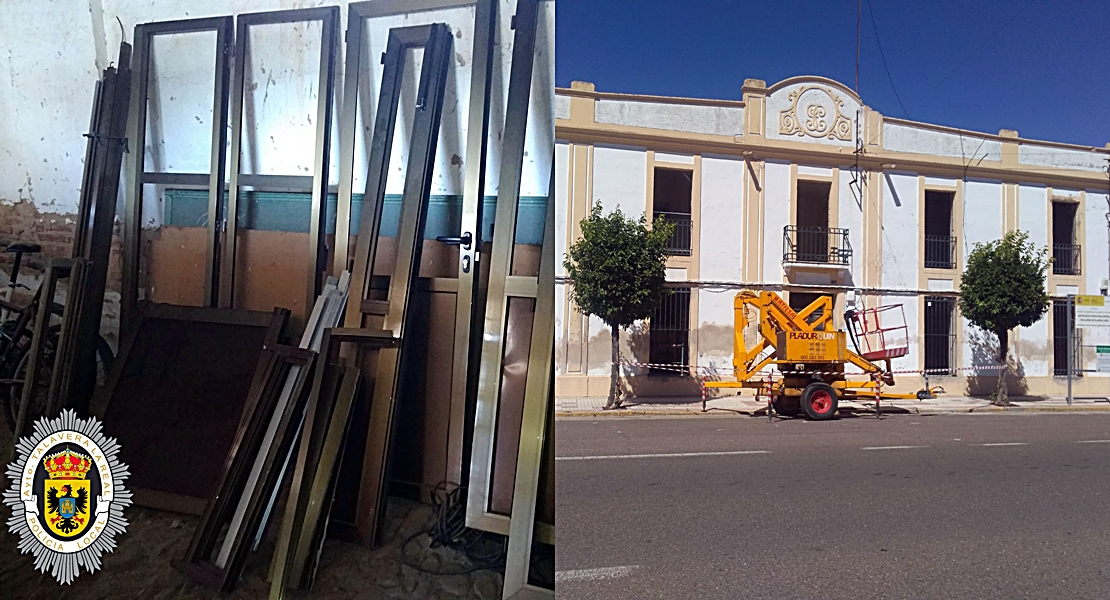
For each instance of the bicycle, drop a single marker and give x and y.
(16, 330)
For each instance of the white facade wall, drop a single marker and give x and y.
(982, 224)
(1035, 342)
(723, 181)
(562, 202)
(719, 120)
(919, 140)
(900, 231)
(624, 184)
(850, 217)
(1062, 158)
(722, 220)
(776, 215)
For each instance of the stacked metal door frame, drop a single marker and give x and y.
(74, 377)
(136, 166)
(437, 40)
(317, 249)
(538, 402)
(503, 285)
(469, 288)
(231, 42)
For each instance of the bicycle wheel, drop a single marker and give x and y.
(36, 407)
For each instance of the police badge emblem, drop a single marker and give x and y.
(67, 495)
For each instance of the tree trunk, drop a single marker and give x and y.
(1001, 395)
(614, 377)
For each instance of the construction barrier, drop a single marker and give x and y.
(699, 373)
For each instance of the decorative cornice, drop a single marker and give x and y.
(823, 155)
(576, 93)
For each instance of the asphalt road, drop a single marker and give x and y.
(949, 506)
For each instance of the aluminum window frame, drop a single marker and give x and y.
(317, 248)
(470, 289)
(503, 285)
(135, 163)
(437, 40)
(538, 402)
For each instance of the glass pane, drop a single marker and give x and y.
(174, 250)
(179, 103)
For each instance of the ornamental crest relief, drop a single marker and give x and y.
(815, 111)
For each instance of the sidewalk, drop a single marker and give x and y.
(747, 405)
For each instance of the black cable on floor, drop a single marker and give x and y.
(484, 550)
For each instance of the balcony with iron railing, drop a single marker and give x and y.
(940, 252)
(680, 242)
(816, 245)
(1066, 259)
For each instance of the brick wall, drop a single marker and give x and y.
(24, 222)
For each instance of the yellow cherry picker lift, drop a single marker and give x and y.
(811, 357)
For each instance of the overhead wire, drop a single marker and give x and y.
(875, 27)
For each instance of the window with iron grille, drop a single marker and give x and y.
(671, 199)
(1066, 258)
(1060, 341)
(669, 331)
(940, 244)
(940, 335)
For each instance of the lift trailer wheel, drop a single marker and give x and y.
(787, 406)
(819, 401)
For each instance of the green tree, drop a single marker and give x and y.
(1003, 288)
(618, 271)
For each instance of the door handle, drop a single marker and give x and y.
(465, 240)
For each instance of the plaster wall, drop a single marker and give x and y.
(905, 138)
(982, 213)
(982, 224)
(686, 159)
(900, 231)
(562, 107)
(562, 201)
(620, 180)
(624, 186)
(776, 215)
(1096, 252)
(722, 223)
(715, 330)
(46, 100)
(910, 306)
(850, 217)
(1064, 158)
(719, 120)
(1034, 343)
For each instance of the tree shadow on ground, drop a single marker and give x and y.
(984, 353)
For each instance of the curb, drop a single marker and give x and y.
(724, 412)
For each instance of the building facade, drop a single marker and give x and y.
(803, 189)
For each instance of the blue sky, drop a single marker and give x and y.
(1041, 67)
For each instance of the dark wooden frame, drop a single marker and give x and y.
(74, 380)
(275, 323)
(273, 368)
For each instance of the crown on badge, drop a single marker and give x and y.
(67, 465)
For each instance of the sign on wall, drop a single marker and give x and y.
(1092, 312)
(1103, 354)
